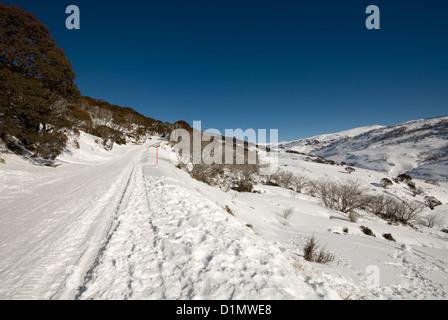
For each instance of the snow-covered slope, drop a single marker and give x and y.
(419, 148)
(117, 225)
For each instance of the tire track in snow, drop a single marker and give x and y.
(41, 272)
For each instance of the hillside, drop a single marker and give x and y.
(419, 148)
(40, 104)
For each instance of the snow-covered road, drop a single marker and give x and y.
(124, 229)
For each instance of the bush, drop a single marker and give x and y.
(345, 230)
(345, 196)
(350, 170)
(299, 182)
(367, 231)
(404, 178)
(312, 254)
(312, 188)
(283, 178)
(394, 210)
(432, 219)
(389, 237)
(431, 202)
(386, 183)
(433, 182)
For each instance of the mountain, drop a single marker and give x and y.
(418, 148)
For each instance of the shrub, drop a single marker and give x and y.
(342, 196)
(433, 182)
(394, 210)
(386, 183)
(367, 231)
(432, 219)
(345, 230)
(350, 170)
(404, 178)
(432, 202)
(414, 190)
(284, 178)
(312, 254)
(312, 188)
(389, 237)
(299, 182)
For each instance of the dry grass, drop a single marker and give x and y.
(287, 213)
(229, 211)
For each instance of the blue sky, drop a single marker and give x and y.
(303, 67)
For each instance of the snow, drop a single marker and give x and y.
(115, 225)
(416, 147)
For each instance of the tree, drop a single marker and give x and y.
(345, 196)
(299, 183)
(35, 76)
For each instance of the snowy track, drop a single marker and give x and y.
(46, 232)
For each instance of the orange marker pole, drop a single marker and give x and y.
(157, 158)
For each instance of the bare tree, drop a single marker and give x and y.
(342, 196)
(299, 183)
(312, 188)
(432, 219)
(284, 178)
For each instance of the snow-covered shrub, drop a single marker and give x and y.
(388, 236)
(312, 253)
(367, 231)
(283, 178)
(350, 170)
(432, 219)
(345, 196)
(404, 178)
(386, 183)
(394, 210)
(312, 188)
(433, 182)
(299, 182)
(431, 202)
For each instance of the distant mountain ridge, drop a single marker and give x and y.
(418, 147)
